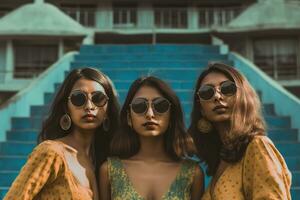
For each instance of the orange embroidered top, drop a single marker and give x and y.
(261, 174)
(47, 175)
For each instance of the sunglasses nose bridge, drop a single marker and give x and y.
(150, 111)
(217, 93)
(89, 103)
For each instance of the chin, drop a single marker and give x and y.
(89, 126)
(222, 118)
(151, 133)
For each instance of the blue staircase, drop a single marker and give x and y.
(179, 65)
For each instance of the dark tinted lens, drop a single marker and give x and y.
(161, 105)
(228, 88)
(139, 105)
(206, 92)
(78, 99)
(99, 99)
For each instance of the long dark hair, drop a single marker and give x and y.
(51, 127)
(177, 141)
(246, 121)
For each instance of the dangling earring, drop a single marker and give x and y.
(105, 124)
(65, 122)
(204, 126)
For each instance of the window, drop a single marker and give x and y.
(31, 60)
(277, 57)
(83, 14)
(217, 17)
(170, 17)
(124, 17)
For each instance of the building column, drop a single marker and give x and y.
(104, 16)
(193, 18)
(145, 16)
(61, 50)
(9, 61)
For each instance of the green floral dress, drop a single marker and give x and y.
(122, 188)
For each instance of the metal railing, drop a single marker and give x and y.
(84, 16)
(217, 17)
(170, 17)
(280, 67)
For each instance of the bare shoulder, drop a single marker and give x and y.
(199, 172)
(104, 168)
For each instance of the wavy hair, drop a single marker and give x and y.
(246, 121)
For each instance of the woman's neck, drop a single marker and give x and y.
(152, 149)
(80, 140)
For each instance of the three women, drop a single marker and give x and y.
(149, 152)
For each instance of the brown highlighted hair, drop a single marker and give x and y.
(51, 129)
(177, 141)
(246, 121)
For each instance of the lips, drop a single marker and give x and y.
(89, 116)
(220, 107)
(150, 124)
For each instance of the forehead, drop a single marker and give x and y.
(147, 92)
(88, 86)
(214, 78)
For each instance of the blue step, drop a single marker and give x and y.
(288, 149)
(268, 109)
(3, 191)
(283, 134)
(41, 110)
(26, 123)
(99, 49)
(23, 135)
(296, 178)
(12, 162)
(151, 56)
(183, 74)
(7, 177)
(295, 191)
(293, 163)
(143, 64)
(12, 148)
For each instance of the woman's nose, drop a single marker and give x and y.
(149, 112)
(218, 94)
(89, 104)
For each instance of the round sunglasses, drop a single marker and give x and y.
(207, 92)
(159, 105)
(79, 98)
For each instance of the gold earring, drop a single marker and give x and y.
(65, 122)
(204, 126)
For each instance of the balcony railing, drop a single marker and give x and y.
(170, 17)
(85, 16)
(217, 17)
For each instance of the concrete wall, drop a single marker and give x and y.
(2, 61)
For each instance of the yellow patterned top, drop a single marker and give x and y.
(122, 188)
(261, 174)
(46, 175)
